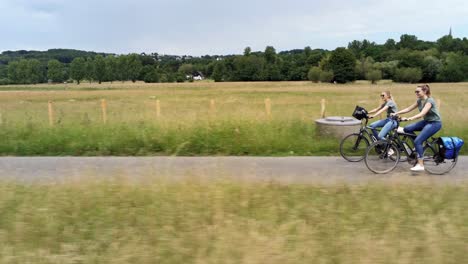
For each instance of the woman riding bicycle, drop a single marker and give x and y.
(386, 124)
(429, 126)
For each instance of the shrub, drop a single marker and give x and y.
(314, 74)
(410, 75)
(4, 81)
(326, 76)
(374, 76)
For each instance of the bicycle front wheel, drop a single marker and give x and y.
(353, 147)
(433, 163)
(382, 157)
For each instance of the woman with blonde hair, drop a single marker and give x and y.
(386, 124)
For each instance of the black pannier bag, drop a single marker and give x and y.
(359, 113)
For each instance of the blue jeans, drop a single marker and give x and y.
(427, 130)
(386, 124)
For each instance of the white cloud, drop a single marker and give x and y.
(220, 27)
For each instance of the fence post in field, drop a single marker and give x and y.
(51, 114)
(212, 107)
(268, 107)
(158, 109)
(322, 109)
(104, 110)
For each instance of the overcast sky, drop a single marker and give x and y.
(220, 27)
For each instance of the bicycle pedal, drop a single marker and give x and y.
(412, 159)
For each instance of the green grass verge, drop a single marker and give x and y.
(221, 138)
(275, 138)
(227, 222)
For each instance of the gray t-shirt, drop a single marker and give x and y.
(392, 107)
(433, 114)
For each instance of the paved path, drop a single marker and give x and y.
(282, 169)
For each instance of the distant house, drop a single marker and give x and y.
(198, 76)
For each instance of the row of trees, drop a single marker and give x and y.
(409, 60)
(99, 68)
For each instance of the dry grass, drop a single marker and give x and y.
(188, 104)
(293, 100)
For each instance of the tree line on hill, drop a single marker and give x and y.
(408, 60)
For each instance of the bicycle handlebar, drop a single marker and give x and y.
(398, 118)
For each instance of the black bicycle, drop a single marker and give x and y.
(353, 147)
(383, 156)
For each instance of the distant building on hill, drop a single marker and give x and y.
(196, 76)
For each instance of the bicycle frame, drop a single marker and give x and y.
(365, 131)
(395, 138)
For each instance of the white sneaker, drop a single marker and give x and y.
(400, 130)
(391, 152)
(418, 168)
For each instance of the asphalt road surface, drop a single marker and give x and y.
(281, 169)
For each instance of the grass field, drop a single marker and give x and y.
(198, 221)
(188, 125)
(119, 221)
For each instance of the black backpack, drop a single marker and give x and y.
(359, 113)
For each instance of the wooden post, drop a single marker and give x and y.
(51, 114)
(104, 110)
(268, 107)
(158, 109)
(322, 110)
(212, 107)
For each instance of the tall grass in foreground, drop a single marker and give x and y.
(117, 221)
(203, 138)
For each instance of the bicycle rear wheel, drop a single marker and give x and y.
(353, 147)
(382, 157)
(434, 165)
